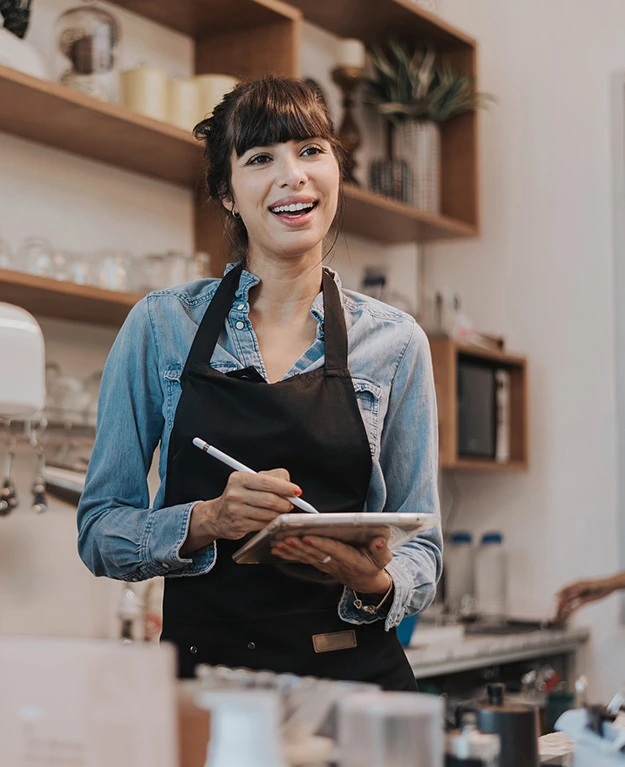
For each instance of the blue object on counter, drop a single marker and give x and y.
(406, 628)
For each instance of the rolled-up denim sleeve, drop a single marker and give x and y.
(119, 535)
(409, 462)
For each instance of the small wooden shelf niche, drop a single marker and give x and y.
(446, 354)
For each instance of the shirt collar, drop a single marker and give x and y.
(249, 280)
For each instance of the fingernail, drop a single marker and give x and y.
(298, 492)
(282, 547)
(292, 543)
(379, 545)
(307, 541)
(292, 507)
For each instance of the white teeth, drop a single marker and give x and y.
(293, 208)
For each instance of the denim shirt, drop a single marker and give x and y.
(121, 536)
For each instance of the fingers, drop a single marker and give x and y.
(380, 552)
(275, 481)
(256, 494)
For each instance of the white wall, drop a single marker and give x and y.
(542, 275)
(84, 206)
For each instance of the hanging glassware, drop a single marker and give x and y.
(88, 38)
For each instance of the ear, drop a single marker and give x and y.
(228, 203)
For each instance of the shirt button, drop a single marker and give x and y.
(165, 565)
(193, 649)
(240, 307)
(240, 325)
(251, 646)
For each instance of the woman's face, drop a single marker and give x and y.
(286, 195)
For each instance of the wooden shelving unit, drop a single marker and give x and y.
(64, 300)
(391, 222)
(445, 356)
(56, 116)
(244, 38)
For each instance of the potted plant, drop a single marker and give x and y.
(414, 95)
(15, 52)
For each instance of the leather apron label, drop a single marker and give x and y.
(336, 640)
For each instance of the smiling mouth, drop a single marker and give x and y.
(294, 211)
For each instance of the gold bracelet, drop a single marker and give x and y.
(373, 609)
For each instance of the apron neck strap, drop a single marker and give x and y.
(335, 336)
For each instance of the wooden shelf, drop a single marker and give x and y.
(372, 20)
(201, 19)
(46, 297)
(392, 222)
(57, 116)
(445, 356)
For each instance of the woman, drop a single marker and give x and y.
(324, 392)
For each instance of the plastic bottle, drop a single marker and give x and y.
(459, 573)
(491, 579)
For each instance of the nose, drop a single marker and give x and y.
(291, 171)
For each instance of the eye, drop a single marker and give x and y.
(312, 150)
(259, 159)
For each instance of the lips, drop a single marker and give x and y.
(293, 208)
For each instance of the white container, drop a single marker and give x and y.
(23, 385)
(245, 728)
(418, 142)
(390, 729)
(212, 89)
(459, 574)
(144, 90)
(491, 591)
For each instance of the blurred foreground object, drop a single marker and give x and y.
(78, 701)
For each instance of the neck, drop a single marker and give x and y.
(286, 288)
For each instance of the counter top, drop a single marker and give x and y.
(485, 650)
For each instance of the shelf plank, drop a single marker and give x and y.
(203, 19)
(485, 464)
(391, 222)
(56, 116)
(46, 297)
(372, 20)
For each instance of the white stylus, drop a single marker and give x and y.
(234, 464)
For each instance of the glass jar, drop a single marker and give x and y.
(88, 39)
(36, 256)
(111, 270)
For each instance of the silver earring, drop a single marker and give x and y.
(236, 215)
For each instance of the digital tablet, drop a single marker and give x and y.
(354, 528)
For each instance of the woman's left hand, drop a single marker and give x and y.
(359, 569)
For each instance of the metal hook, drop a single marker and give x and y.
(40, 501)
(8, 493)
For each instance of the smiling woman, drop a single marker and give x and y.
(273, 126)
(325, 393)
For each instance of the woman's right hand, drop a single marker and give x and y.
(248, 503)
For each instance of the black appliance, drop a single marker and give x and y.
(477, 409)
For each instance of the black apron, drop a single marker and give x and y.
(261, 616)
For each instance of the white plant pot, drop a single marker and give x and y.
(418, 142)
(20, 55)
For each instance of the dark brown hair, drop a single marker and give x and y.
(264, 112)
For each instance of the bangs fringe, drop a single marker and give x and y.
(280, 111)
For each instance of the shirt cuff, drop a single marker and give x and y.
(404, 588)
(166, 531)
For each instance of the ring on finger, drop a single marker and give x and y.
(325, 560)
